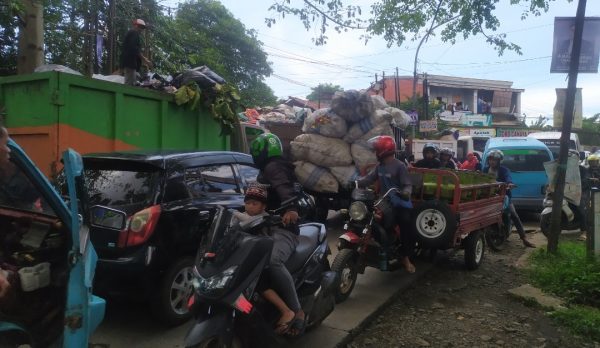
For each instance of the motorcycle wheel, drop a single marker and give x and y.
(345, 264)
(474, 250)
(495, 237)
(545, 222)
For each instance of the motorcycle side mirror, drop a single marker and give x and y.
(581, 155)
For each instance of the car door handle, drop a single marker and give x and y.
(204, 215)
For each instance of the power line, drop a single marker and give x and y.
(489, 63)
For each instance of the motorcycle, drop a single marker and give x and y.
(496, 235)
(228, 309)
(571, 216)
(361, 244)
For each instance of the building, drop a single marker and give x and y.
(463, 101)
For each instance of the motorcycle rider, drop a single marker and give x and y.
(446, 160)
(255, 204)
(594, 167)
(502, 174)
(392, 173)
(430, 160)
(278, 174)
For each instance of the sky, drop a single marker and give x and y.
(347, 61)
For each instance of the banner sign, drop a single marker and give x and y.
(449, 116)
(514, 132)
(428, 126)
(564, 30)
(559, 108)
(476, 120)
(414, 118)
(478, 132)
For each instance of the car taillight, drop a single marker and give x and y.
(140, 227)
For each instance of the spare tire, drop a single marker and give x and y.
(434, 224)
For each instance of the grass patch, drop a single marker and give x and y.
(582, 321)
(568, 274)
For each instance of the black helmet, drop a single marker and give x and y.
(497, 154)
(429, 147)
(447, 151)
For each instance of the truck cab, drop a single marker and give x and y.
(552, 140)
(46, 255)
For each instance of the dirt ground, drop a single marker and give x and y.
(453, 307)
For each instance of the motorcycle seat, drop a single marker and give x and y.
(308, 240)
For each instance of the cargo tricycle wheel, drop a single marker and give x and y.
(495, 237)
(434, 224)
(474, 249)
(345, 265)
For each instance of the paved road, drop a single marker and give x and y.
(129, 325)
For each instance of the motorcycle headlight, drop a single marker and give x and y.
(358, 211)
(214, 283)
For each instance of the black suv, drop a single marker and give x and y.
(170, 199)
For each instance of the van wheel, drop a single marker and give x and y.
(474, 250)
(170, 304)
(434, 224)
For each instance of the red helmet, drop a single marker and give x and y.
(383, 145)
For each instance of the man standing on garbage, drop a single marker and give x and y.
(131, 52)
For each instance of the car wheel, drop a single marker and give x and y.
(434, 224)
(474, 250)
(170, 304)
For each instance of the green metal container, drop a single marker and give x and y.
(49, 112)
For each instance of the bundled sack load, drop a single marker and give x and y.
(379, 102)
(315, 178)
(352, 105)
(326, 123)
(399, 117)
(280, 114)
(326, 152)
(345, 175)
(378, 124)
(363, 156)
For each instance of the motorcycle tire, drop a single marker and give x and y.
(214, 342)
(434, 224)
(495, 236)
(345, 265)
(177, 275)
(474, 246)
(546, 222)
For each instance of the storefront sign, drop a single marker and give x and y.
(414, 118)
(513, 132)
(428, 126)
(476, 120)
(449, 116)
(564, 30)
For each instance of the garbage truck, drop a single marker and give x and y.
(49, 112)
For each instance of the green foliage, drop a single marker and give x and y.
(568, 274)
(580, 320)
(400, 20)
(221, 100)
(323, 89)
(592, 124)
(201, 32)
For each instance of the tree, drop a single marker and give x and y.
(323, 91)
(400, 20)
(592, 124)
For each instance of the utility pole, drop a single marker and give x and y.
(383, 84)
(561, 170)
(397, 89)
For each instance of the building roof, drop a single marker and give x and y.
(463, 82)
(303, 103)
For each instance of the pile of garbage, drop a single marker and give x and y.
(333, 151)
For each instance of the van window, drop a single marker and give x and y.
(525, 160)
(17, 191)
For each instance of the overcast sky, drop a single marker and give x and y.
(346, 61)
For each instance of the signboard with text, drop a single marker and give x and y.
(428, 126)
(478, 132)
(513, 132)
(564, 29)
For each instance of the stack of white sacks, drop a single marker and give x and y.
(333, 150)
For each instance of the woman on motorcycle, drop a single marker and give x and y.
(278, 173)
(502, 173)
(392, 173)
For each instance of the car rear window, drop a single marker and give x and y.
(525, 160)
(114, 187)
